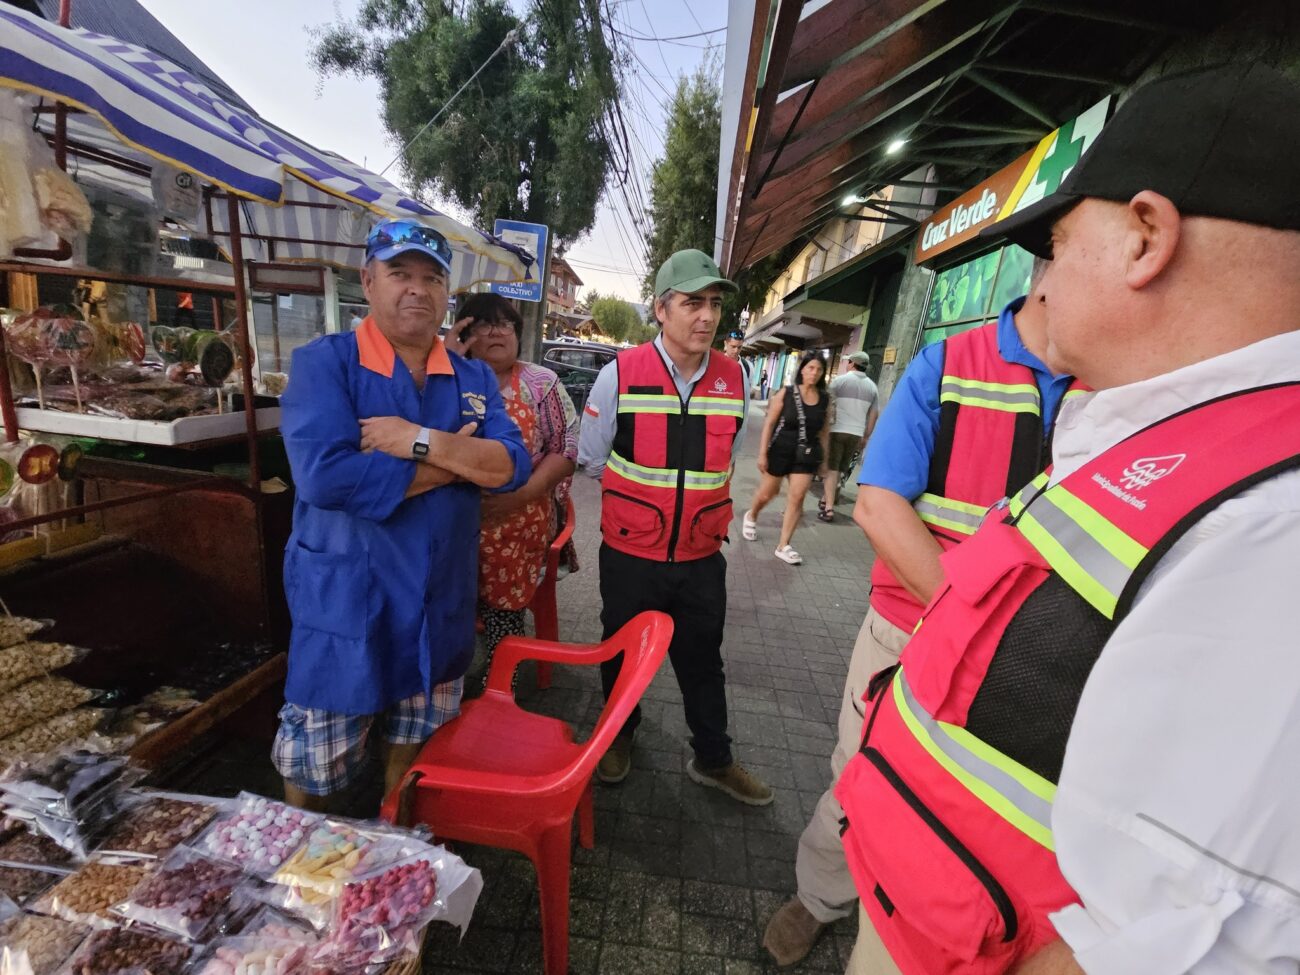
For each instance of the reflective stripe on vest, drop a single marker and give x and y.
(648, 403)
(1089, 552)
(1021, 797)
(1007, 397)
(664, 477)
(717, 406)
(949, 514)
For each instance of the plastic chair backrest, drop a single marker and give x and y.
(644, 641)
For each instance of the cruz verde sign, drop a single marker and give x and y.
(1036, 174)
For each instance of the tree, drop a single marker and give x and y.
(527, 140)
(614, 317)
(684, 182)
(683, 196)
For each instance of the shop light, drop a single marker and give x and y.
(850, 200)
(895, 147)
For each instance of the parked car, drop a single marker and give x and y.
(577, 363)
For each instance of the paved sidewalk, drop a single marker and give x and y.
(682, 879)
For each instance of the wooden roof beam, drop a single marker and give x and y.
(843, 29)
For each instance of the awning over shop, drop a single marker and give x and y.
(160, 112)
(843, 293)
(841, 98)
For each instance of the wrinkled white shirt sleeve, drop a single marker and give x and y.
(1177, 818)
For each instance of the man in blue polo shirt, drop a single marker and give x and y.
(390, 438)
(897, 473)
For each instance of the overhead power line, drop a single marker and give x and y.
(676, 37)
(512, 35)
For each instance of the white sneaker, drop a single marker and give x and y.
(748, 527)
(787, 554)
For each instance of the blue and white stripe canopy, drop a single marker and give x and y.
(167, 114)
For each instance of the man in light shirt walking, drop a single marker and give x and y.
(856, 402)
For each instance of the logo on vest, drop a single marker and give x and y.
(1143, 471)
(719, 385)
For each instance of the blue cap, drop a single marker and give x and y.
(388, 238)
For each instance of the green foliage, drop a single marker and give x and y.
(684, 184)
(614, 316)
(526, 140)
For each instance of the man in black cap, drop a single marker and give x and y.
(1081, 763)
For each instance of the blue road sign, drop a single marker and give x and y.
(532, 238)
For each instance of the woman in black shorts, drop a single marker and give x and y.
(783, 455)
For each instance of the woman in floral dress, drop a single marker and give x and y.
(518, 526)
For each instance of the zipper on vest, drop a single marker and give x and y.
(680, 500)
(997, 893)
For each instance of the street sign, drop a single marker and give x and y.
(532, 238)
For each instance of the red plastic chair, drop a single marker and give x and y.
(501, 776)
(546, 619)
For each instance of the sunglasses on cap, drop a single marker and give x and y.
(736, 334)
(389, 238)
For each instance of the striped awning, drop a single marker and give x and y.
(165, 113)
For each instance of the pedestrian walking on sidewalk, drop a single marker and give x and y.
(661, 429)
(795, 443)
(855, 397)
(967, 424)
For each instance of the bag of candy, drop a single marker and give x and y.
(336, 852)
(254, 955)
(188, 895)
(382, 915)
(258, 835)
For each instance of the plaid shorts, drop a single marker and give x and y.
(321, 751)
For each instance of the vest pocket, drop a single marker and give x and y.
(625, 517)
(949, 911)
(711, 522)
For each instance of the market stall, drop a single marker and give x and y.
(144, 502)
(101, 877)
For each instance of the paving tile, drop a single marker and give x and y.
(620, 959)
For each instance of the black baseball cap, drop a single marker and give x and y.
(1218, 142)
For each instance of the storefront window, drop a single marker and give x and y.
(972, 293)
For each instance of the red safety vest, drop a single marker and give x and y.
(990, 443)
(666, 487)
(948, 802)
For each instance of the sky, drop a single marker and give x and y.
(260, 49)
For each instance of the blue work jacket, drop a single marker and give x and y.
(381, 588)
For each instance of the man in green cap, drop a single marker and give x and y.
(660, 429)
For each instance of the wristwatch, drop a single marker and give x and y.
(420, 448)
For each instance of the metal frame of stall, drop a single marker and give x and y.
(163, 742)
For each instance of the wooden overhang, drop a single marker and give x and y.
(968, 84)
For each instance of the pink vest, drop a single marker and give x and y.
(948, 802)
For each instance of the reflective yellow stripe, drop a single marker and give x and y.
(661, 477)
(1071, 393)
(975, 384)
(957, 516)
(1087, 551)
(1027, 493)
(648, 403)
(1006, 397)
(1021, 796)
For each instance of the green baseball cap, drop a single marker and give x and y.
(690, 272)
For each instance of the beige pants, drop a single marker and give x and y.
(869, 955)
(825, 887)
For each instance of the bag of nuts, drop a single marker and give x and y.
(34, 945)
(118, 951)
(155, 823)
(89, 895)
